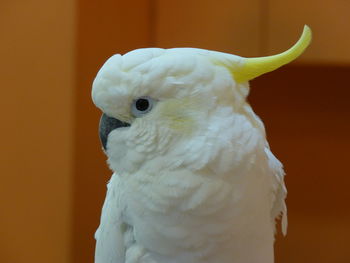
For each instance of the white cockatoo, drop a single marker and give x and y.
(194, 179)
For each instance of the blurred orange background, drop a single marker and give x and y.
(53, 171)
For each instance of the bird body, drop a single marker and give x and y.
(194, 179)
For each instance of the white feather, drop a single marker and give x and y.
(195, 180)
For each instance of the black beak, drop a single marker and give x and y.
(108, 124)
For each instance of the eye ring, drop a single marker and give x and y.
(142, 105)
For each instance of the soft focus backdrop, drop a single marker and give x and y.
(53, 171)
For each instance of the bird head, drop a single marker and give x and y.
(180, 106)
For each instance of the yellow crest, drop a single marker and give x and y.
(254, 67)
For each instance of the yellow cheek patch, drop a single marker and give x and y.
(178, 114)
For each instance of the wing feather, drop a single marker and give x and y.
(110, 246)
(279, 207)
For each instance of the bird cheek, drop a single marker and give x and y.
(122, 153)
(176, 117)
(116, 150)
(182, 125)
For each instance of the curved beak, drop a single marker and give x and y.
(108, 124)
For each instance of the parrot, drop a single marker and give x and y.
(194, 179)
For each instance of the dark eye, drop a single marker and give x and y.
(142, 106)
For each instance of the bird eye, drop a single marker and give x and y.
(142, 106)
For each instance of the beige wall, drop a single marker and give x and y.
(225, 25)
(37, 56)
(257, 27)
(329, 20)
(105, 27)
